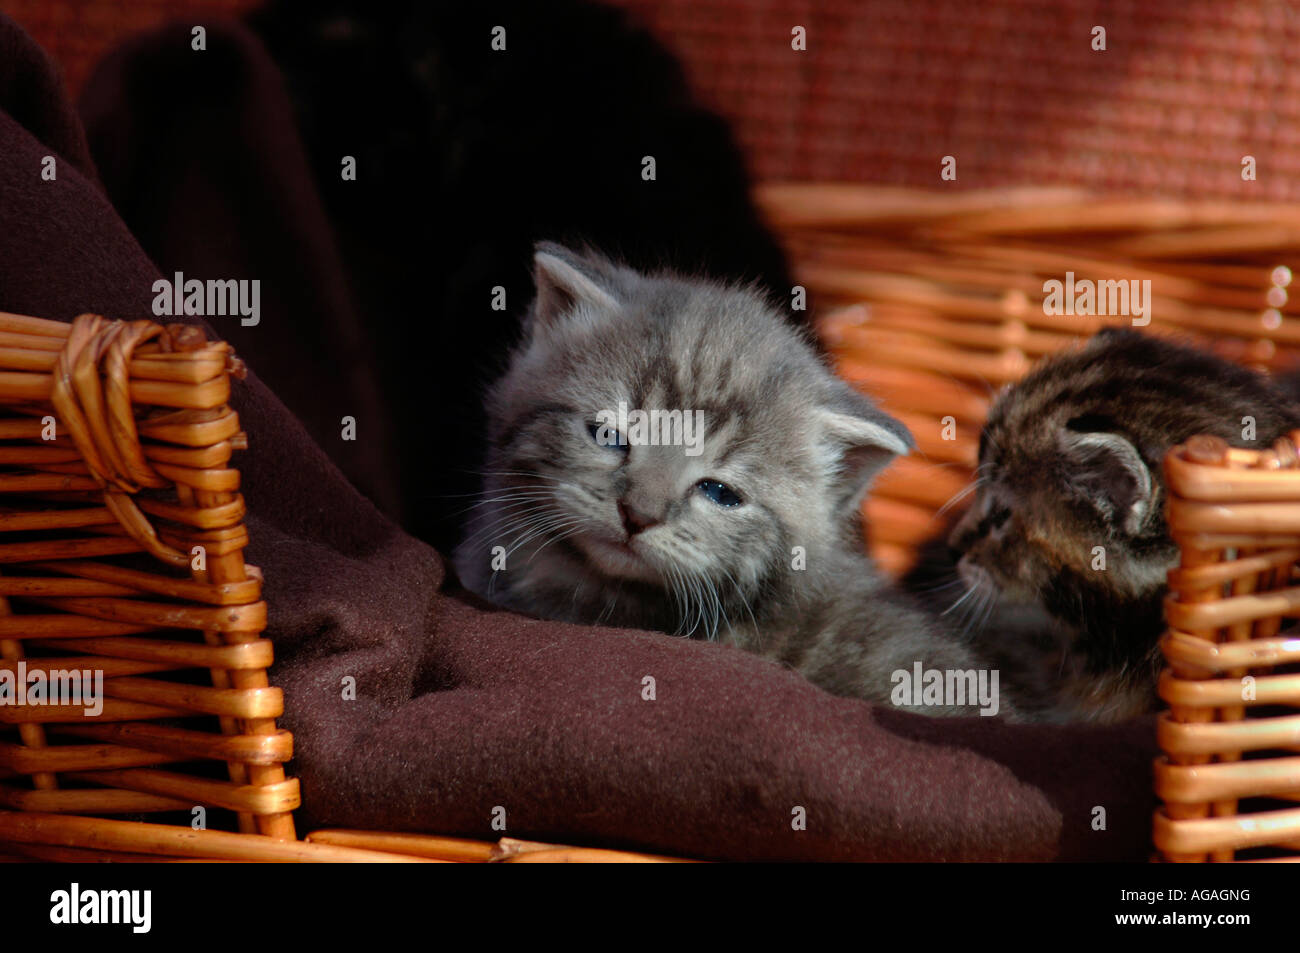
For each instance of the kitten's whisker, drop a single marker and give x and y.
(968, 616)
(968, 594)
(506, 522)
(743, 600)
(990, 605)
(698, 598)
(937, 587)
(938, 464)
(680, 598)
(518, 525)
(528, 525)
(508, 503)
(545, 533)
(956, 498)
(536, 494)
(608, 611)
(691, 620)
(539, 494)
(719, 613)
(667, 580)
(972, 611)
(500, 527)
(481, 490)
(711, 624)
(541, 527)
(577, 527)
(529, 474)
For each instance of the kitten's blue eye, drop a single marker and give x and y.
(719, 493)
(607, 437)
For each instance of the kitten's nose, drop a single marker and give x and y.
(634, 521)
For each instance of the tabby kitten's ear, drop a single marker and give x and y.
(1107, 471)
(566, 280)
(860, 440)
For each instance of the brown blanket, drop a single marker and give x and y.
(462, 709)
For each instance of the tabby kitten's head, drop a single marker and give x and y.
(1070, 460)
(597, 525)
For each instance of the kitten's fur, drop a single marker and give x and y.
(796, 443)
(1070, 459)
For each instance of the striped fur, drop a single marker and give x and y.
(1070, 460)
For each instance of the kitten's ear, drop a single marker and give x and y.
(1107, 471)
(566, 279)
(861, 441)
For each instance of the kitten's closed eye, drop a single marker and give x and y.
(995, 518)
(984, 520)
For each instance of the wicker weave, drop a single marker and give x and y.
(931, 301)
(136, 463)
(117, 440)
(1231, 782)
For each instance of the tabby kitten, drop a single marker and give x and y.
(750, 536)
(1070, 460)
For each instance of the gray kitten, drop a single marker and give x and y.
(736, 519)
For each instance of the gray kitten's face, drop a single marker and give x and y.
(770, 450)
(720, 507)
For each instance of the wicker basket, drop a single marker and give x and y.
(1231, 783)
(117, 440)
(98, 412)
(933, 299)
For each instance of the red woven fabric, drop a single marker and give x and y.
(1012, 89)
(77, 33)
